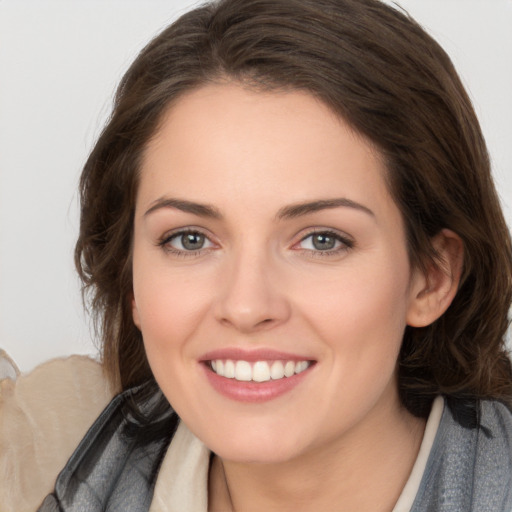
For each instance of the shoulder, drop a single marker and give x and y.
(494, 448)
(470, 464)
(497, 417)
(43, 416)
(485, 426)
(117, 462)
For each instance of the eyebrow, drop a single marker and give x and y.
(297, 210)
(288, 212)
(201, 210)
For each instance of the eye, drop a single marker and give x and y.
(189, 241)
(325, 241)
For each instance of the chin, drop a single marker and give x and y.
(271, 446)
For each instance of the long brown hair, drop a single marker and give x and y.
(379, 70)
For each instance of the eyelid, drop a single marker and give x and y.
(347, 242)
(165, 239)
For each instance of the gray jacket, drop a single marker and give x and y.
(115, 467)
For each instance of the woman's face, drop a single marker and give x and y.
(268, 247)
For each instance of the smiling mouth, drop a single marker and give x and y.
(257, 371)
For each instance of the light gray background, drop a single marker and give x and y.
(59, 64)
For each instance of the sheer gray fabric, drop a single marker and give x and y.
(115, 467)
(470, 465)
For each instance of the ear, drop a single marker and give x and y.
(433, 291)
(135, 313)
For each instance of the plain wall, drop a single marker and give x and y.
(59, 64)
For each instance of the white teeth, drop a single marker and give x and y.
(229, 369)
(277, 370)
(260, 371)
(301, 366)
(289, 369)
(243, 371)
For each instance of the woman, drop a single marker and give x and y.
(290, 233)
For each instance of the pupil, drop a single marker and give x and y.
(323, 242)
(192, 241)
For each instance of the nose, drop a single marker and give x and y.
(251, 297)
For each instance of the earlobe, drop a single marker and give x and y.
(433, 291)
(135, 313)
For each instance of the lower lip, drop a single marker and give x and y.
(253, 392)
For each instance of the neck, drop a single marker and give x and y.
(365, 470)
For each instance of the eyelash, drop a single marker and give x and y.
(164, 243)
(346, 243)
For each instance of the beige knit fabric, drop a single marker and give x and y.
(43, 416)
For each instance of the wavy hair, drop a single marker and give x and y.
(382, 73)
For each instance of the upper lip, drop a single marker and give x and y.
(260, 354)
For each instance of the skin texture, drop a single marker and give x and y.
(340, 435)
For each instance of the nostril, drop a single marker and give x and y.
(264, 323)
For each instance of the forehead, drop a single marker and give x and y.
(226, 142)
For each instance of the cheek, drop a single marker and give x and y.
(361, 320)
(169, 306)
(171, 311)
(361, 312)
